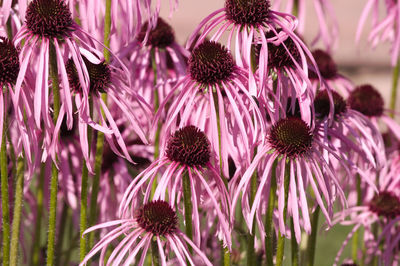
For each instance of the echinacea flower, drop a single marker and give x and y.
(296, 152)
(49, 28)
(103, 78)
(217, 87)
(367, 100)
(286, 78)
(352, 134)
(380, 210)
(155, 62)
(187, 155)
(247, 22)
(332, 79)
(9, 68)
(156, 224)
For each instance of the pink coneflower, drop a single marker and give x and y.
(380, 210)
(188, 152)
(367, 100)
(350, 132)
(9, 68)
(247, 22)
(296, 151)
(287, 79)
(155, 224)
(217, 87)
(50, 29)
(160, 57)
(103, 78)
(328, 28)
(383, 29)
(329, 72)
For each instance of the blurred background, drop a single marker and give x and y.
(360, 63)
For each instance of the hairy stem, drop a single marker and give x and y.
(395, 81)
(35, 258)
(54, 171)
(19, 196)
(5, 209)
(312, 240)
(187, 198)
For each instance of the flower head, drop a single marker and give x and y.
(49, 18)
(161, 36)
(187, 154)
(189, 146)
(157, 217)
(154, 221)
(291, 137)
(367, 100)
(322, 104)
(211, 63)
(247, 12)
(9, 62)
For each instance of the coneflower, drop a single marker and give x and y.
(153, 224)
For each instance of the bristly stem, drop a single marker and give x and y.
(156, 106)
(19, 197)
(5, 211)
(35, 258)
(281, 238)
(295, 246)
(100, 135)
(96, 183)
(54, 171)
(187, 199)
(312, 240)
(395, 81)
(155, 255)
(84, 194)
(269, 231)
(354, 247)
(107, 31)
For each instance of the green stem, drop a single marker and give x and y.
(155, 255)
(295, 11)
(54, 171)
(295, 246)
(84, 194)
(187, 198)
(281, 238)
(395, 80)
(226, 258)
(61, 233)
(312, 240)
(5, 211)
(100, 135)
(251, 254)
(269, 231)
(19, 196)
(107, 30)
(35, 258)
(96, 183)
(156, 106)
(354, 247)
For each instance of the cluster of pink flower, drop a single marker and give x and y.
(215, 152)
